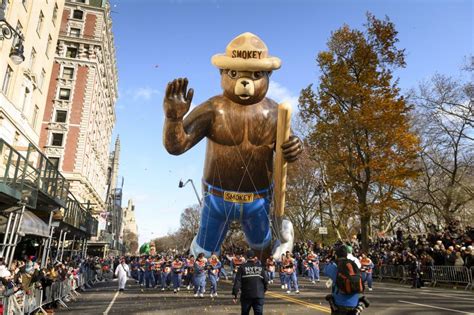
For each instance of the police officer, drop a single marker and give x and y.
(251, 280)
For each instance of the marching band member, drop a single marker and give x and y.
(213, 271)
(189, 272)
(149, 277)
(236, 262)
(165, 273)
(289, 267)
(270, 266)
(367, 266)
(177, 268)
(281, 272)
(313, 265)
(157, 271)
(222, 271)
(200, 276)
(141, 272)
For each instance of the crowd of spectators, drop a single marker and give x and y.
(448, 246)
(26, 275)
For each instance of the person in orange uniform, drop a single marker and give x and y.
(289, 267)
(177, 267)
(189, 272)
(270, 266)
(200, 275)
(366, 269)
(313, 266)
(237, 261)
(213, 271)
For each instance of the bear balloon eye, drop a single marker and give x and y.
(257, 75)
(232, 74)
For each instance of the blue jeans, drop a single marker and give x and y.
(270, 275)
(176, 277)
(367, 277)
(316, 272)
(291, 279)
(165, 279)
(256, 304)
(217, 214)
(149, 279)
(199, 283)
(141, 277)
(213, 280)
(222, 272)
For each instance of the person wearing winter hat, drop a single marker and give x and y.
(352, 257)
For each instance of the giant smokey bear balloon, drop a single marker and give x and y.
(240, 126)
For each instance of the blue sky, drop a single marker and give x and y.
(158, 41)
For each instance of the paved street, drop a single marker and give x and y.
(386, 299)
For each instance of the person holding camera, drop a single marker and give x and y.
(346, 282)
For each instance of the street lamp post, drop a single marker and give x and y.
(7, 31)
(181, 185)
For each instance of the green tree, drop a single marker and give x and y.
(360, 124)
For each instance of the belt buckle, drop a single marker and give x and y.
(238, 197)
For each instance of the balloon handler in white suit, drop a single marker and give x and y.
(122, 273)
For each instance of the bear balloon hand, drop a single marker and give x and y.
(292, 148)
(177, 99)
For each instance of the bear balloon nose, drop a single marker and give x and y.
(244, 83)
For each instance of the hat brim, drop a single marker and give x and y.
(266, 64)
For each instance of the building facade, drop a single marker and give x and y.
(24, 87)
(80, 110)
(130, 229)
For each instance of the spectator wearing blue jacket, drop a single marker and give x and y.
(345, 303)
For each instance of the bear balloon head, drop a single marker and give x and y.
(245, 69)
(245, 87)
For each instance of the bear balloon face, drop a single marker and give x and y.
(245, 87)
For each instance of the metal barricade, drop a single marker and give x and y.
(472, 277)
(391, 272)
(427, 275)
(452, 274)
(14, 304)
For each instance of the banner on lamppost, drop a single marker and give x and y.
(323, 230)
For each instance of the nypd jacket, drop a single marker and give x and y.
(251, 280)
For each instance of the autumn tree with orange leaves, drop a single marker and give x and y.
(360, 124)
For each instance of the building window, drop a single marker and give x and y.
(35, 116)
(54, 161)
(41, 79)
(6, 80)
(77, 14)
(57, 139)
(64, 94)
(32, 58)
(61, 116)
(26, 99)
(81, 1)
(48, 45)
(71, 51)
(40, 23)
(55, 13)
(68, 73)
(76, 32)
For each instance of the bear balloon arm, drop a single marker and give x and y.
(177, 100)
(292, 148)
(181, 135)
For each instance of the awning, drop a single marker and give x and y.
(30, 225)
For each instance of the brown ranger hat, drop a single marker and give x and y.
(246, 52)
